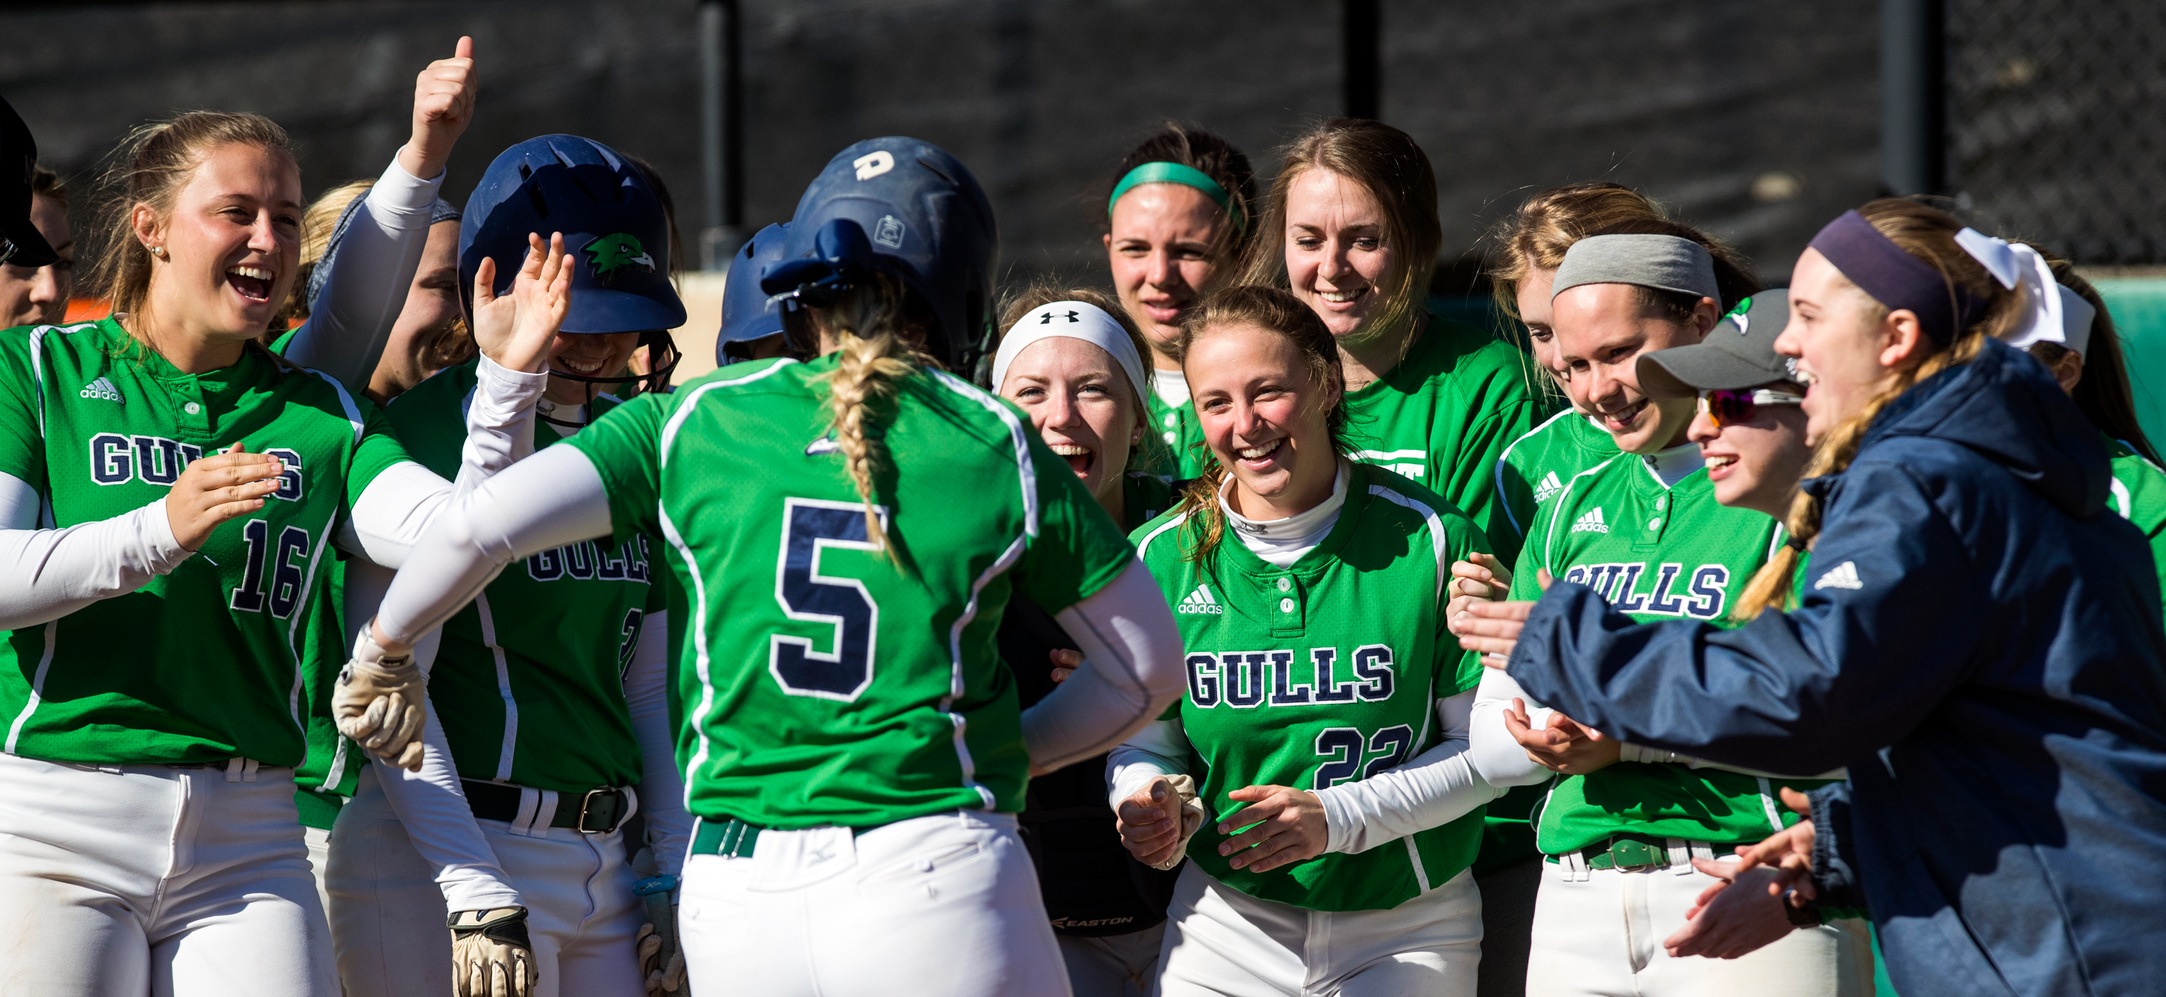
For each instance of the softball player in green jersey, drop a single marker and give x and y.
(1177, 223)
(1326, 738)
(1077, 371)
(850, 743)
(1351, 227)
(1644, 528)
(2086, 358)
(155, 654)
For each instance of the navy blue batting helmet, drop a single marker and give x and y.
(614, 226)
(748, 313)
(907, 208)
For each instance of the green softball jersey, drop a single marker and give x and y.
(529, 680)
(204, 663)
(1534, 468)
(826, 681)
(1144, 497)
(1654, 552)
(1444, 414)
(2139, 495)
(1186, 455)
(1298, 676)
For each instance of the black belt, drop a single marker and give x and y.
(597, 811)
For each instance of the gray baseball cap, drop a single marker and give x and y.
(1738, 353)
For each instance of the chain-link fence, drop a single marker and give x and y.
(2056, 119)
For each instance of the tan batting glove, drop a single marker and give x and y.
(490, 953)
(1192, 817)
(661, 962)
(380, 702)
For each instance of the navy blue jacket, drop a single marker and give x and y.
(1979, 642)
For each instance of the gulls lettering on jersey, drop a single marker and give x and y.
(100, 388)
(1548, 488)
(1200, 601)
(155, 460)
(1702, 596)
(1591, 522)
(590, 561)
(1841, 576)
(1244, 680)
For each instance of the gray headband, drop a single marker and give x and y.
(1663, 262)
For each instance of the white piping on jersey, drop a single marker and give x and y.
(1549, 538)
(503, 688)
(1026, 472)
(700, 660)
(1162, 527)
(335, 772)
(2121, 497)
(1421, 738)
(1497, 474)
(37, 361)
(345, 400)
(37, 685)
(300, 612)
(1436, 540)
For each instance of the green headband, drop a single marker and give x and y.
(1186, 176)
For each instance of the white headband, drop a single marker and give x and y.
(1071, 320)
(2056, 316)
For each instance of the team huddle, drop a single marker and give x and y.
(1249, 629)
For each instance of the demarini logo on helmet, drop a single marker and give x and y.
(615, 252)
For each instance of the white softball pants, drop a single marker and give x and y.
(146, 879)
(943, 905)
(1220, 941)
(388, 915)
(1599, 932)
(1113, 965)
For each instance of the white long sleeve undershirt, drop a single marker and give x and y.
(47, 573)
(370, 276)
(1281, 542)
(1433, 788)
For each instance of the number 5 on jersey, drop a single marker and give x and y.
(811, 528)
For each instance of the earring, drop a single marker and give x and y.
(158, 251)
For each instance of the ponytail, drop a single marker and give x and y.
(872, 328)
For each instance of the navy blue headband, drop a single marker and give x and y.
(1895, 278)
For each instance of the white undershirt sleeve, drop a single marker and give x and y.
(1159, 748)
(47, 574)
(430, 804)
(1131, 670)
(548, 500)
(397, 507)
(1491, 749)
(370, 276)
(661, 786)
(1431, 789)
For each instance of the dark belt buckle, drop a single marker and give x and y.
(1627, 854)
(600, 811)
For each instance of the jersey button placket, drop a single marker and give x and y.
(1285, 597)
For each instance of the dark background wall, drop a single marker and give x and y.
(1756, 119)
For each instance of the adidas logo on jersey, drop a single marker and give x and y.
(1841, 576)
(1547, 488)
(100, 388)
(1200, 601)
(1591, 523)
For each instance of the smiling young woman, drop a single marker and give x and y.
(1315, 729)
(1351, 228)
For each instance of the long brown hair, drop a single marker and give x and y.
(150, 167)
(1276, 311)
(1929, 235)
(1393, 169)
(2103, 393)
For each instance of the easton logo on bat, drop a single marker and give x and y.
(1248, 679)
(116, 460)
(1702, 595)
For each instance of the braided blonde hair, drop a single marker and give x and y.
(876, 334)
(1928, 234)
